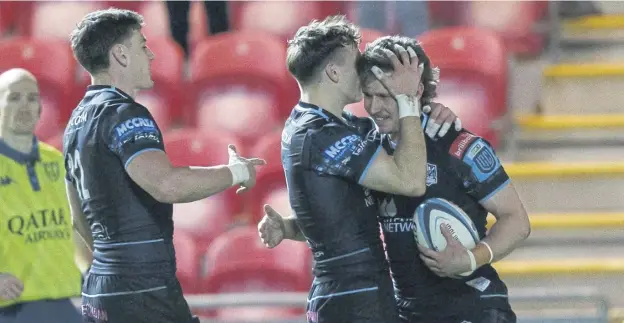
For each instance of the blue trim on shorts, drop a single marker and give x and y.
(343, 256)
(493, 295)
(102, 243)
(125, 293)
(370, 289)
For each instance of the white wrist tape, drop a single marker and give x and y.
(490, 249)
(240, 173)
(473, 261)
(408, 106)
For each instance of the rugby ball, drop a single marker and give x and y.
(433, 213)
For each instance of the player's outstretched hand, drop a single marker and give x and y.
(406, 72)
(271, 227)
(10, 287)
(440, 120)
(454, 260)
(251, 164)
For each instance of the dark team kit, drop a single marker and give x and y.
(325, 158)
(133, 258)
(461, 168)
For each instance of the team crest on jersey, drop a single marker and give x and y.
(482, 160)
(52, 170)
(432, 174)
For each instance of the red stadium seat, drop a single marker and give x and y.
(270, 181)
(238, 80)
(165, 100)
(187, 260)
(357, 109)
(269, 148)
(208, 217)
(57, 19)
(53, 64)
(473, 66)
(237, 261)
(281, 18)
(514, 21)
(55, 141)
(368, 36)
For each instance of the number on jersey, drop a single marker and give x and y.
(75, 168)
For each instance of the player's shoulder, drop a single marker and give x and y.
(49, 153)
(460, 143)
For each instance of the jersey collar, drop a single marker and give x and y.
(322, 112)
(18, 156)
(93, 89)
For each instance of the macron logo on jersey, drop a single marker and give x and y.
(336, 149)
(130, 124)
(6, 180)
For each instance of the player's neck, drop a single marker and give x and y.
(107, 79)
(320, 98)
(21, 143)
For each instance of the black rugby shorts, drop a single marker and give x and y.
(368, 299)
(488, 315)
(136, 299)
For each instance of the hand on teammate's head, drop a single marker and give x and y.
(440, 120)
(271, 227)
(251, 164)
(10, 287)
(406, 72)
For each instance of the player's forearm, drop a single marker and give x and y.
(411, 155)
(503, 238)
(188, 184)
(291, 230)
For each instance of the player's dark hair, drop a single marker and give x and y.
(96, 34)
(315, 43)
(374, 55)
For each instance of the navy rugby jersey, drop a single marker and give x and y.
(132, 232)
(461, 168)
(325, 159)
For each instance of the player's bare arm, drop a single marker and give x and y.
(404, 172)
(512, 226)
(153, 172)
(83, 241)
(273, 228)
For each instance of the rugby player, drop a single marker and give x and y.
(462, 168)
(121, 185)
(37, 271)
(332, 160)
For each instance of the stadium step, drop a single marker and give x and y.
(605, 274)
(604, 28)
(583, 89)
(561, 138)
(568, 187)
(573, 221)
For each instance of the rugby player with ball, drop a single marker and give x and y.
(437, 244)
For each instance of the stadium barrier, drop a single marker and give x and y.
(538, 298)
(562, 221)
